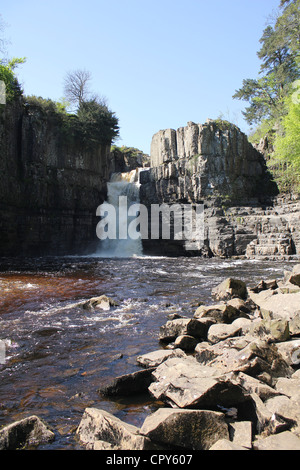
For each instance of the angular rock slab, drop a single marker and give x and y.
(282, 441)
(155, 358)
(229, 289)
(100, 426)
(129, 384)
(28, 432)
(184, 383)
(191, 429)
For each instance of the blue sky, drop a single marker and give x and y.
(159, 63)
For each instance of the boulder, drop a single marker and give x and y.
(184, 383)
(98, 426)
(289, 387)
(102, 303)
(294, 278)
(27, 433)
(221, 331)
(229, 289)
(184, 326)
(225, 444)
(155, 358)
(186, 343)
(283, 441)
(290, 351)
(190, 429)
(294, 324)
(240, 434)
(129, 384)
(221, 313)
(245, 354)
(287, 410)
(274, 304)
(273, 330)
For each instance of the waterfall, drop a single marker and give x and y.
(122, 184)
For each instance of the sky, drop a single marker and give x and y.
(158, 63)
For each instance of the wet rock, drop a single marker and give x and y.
(155, 358)
(222, 331)
(129, 384)
(28, 432)
(98, 425)
(190, 429)
(229, 289)
(102, 303)
(282, 441)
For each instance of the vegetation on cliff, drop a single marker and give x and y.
(274, 104)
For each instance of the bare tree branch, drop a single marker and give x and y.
(76, 86)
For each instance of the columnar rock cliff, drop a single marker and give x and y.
(214, 164)
(50, 184)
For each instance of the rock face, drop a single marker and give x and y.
(215, 165)
(51, 184)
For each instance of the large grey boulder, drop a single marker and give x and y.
(221, 313)
(155, 358)
(190, 429)
(282, 441)
(184, 326)
(230, 288)
(220, 332)
(28, 432)
(99, 425)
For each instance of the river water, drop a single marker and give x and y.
(58, 354)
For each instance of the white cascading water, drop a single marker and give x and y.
(122, 184)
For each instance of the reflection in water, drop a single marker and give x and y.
(58, 354)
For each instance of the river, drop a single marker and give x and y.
(58, 354)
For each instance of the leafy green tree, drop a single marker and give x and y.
(279, 69)
(97, 122)
(7, 75)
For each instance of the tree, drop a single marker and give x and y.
(77, 87)
(7, 75)
(97, 122)
(280, 67)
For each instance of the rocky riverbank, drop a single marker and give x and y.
(227, 378)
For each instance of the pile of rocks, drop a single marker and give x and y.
(229, 377)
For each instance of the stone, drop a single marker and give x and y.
(184, 326)
(289, 387)
(24, 434)
(184, 383)
(102, 303)
(253, 385)
(129, 384)
(186, 343)
(99, 425)
(283, 441)
(230, 288)
(295, 276)
(155, 358)
(244, 324)
(294, 324)
(279, 305)
(225, 444)
(290, 351)
(275, 330)
(189, 429)
(221, 313)
(221, 331)
(240, 433)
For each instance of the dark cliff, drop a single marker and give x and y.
(214, 164)
(51, 183)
